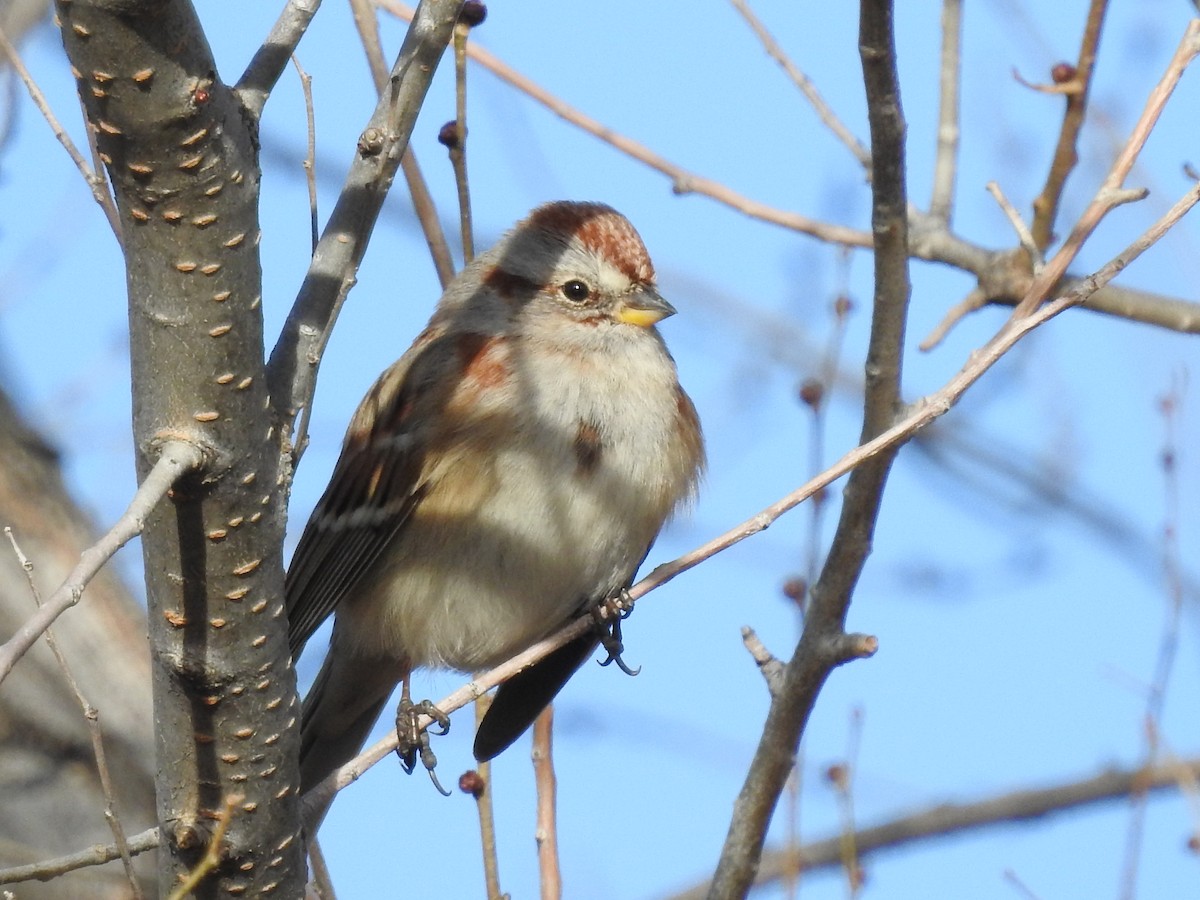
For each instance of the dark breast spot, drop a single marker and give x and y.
(588, 447)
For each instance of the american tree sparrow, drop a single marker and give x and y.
(507, 472)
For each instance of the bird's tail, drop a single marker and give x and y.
(339, 711)
(520, 699)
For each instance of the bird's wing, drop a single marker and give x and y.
(376, 485)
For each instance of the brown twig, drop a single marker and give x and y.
(92, 717)
(826, 114)
(1045, 207)
(95, 179)
(1112, 193)
(175, 459)
(295, 360)
(945, 167)
(487, 815)
(310, 154)
(546, 832)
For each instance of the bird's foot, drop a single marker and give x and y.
(618, 608)
(412, 740)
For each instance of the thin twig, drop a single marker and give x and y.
(94, 177)
(96, 855)
(1019, 226)
(842, 778)
(271, 58)
(92, 718)
(367, 23)
(310, 155)
(458, 148)
(1045, 207)
(486, 813)
(974, 301)
(826, 114)
(546, 832)
(175, 459)
(1168, 648)
(1012, 878)
(945, 167)
(213, 853)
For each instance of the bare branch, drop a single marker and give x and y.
(948, 819)
(945, 167)
(827, 116)
(821, 647)
(1045, 207)
(97, 855)
(546, 833)
(272, 57)
(367, 23)
(175, 459)
(1019, 226)
(292, 371)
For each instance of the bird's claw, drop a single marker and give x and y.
(413, 741)
(619, 606)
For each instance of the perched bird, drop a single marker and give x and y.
(508, 472)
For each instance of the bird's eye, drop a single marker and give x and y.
(576, 291)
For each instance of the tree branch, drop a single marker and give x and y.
(823, 645)
(272, 57)
(953, 819)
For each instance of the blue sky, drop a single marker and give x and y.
(1015, 642)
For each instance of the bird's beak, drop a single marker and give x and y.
(644, 307)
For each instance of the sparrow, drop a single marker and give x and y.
(510, 471)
